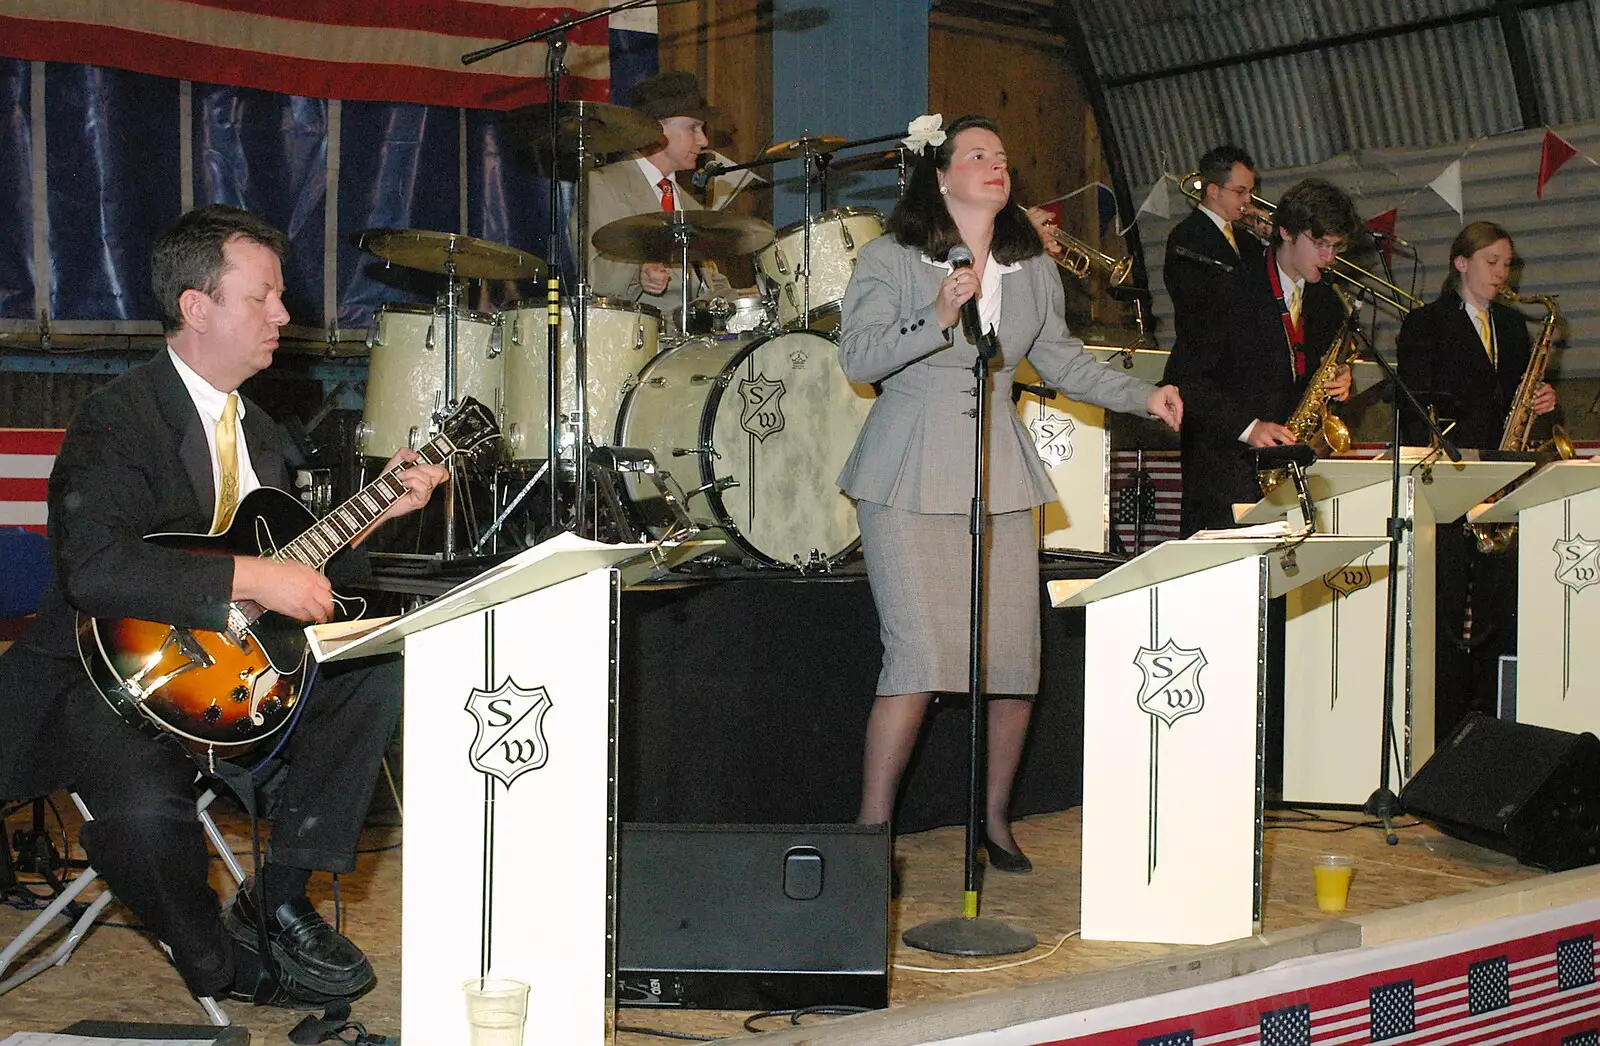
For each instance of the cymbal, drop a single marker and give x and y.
(879, 161)
(652, 237)
(797, 147)
(474, 259)
(607, 128)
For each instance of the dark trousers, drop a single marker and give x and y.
(148, 845)
(1467, 673)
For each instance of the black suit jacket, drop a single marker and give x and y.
(1442, 360)
(1193, 285)
(134, 462)
(1233, 367)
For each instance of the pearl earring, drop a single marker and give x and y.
(944, 190)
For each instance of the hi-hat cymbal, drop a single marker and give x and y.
(471, 258)
(797, 147)
(880, 161)
(607, 128)
(659, 235)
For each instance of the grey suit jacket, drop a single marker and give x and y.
(915, 450)
(619, 190)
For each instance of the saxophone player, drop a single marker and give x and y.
(1465, 353)
(1245, 362)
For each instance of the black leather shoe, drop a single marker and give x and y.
(315, 962)
(1003, 860)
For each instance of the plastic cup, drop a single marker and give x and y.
(497, 1010)
(1332, 873)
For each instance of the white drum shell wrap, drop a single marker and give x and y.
(776, 416)
(405, 376)
(623, 337)
(836, 237)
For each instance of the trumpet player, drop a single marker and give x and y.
(1248, 358)
(1465, 353)
(1206, 245)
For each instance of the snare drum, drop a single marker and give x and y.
(836, 236)
(622, 338)
(730, 315)
(405, 376)
(763, 427)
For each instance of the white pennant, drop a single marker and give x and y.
(1157, 202)
(1448, 186)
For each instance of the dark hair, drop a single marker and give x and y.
(1318, 207)
(1469, 241)
(188, 256)
(1216, 165)
(921, 219)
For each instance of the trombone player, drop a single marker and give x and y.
(1206, 246)
(1245, 362)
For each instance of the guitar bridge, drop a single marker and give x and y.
(191, 654)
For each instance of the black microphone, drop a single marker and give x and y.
(960, 257)
(1398, 241)
(1184, 252)
(705, 174)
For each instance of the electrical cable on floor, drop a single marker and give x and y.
(986, 969)
(803, 1011)
(662, 1033)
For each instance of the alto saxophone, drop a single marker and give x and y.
(1518, 433)
(1313, 422)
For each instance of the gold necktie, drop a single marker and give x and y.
(1484, 335)
(227, 465)
(1227, 230)
(1294, 304)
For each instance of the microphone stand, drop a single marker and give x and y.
(967, 934)
(555, 69)
(1383, 803)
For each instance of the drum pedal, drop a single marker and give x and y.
(815, 563)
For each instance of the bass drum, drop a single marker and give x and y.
(762, 428)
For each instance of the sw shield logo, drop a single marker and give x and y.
(1350, 579)
(762, 415)
(1052, 436)
(1171, 688)
(1577, 563)
(510, 737)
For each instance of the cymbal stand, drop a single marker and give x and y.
(452, 307)
(805, 248)
(680, 236)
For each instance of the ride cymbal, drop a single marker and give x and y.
(659, 236)
(470, 258)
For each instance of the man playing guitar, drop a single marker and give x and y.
(170, 447)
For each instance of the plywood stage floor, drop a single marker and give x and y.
(118, 973)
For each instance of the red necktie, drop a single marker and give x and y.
(667, 203)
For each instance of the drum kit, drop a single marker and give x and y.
(733, 417)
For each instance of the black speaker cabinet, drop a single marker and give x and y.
(1527, 791)
(753, 917)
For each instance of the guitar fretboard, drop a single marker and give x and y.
(336, 530)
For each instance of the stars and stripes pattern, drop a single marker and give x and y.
(1538, 989)
(26, 458)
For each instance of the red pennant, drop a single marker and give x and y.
(1555, 152)
(1384, 223)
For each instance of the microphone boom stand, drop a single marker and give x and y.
(967, 934)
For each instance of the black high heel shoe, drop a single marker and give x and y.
(1003, 860)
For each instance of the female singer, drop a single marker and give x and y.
(1465, 352)
(910, 472)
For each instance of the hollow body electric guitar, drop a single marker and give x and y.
(222, 691)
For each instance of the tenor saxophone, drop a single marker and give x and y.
(1518, 433)
(1313, 422)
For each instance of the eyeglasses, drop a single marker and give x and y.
(1241, 191)
(1329, 245)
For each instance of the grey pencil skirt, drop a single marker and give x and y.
(919, 566)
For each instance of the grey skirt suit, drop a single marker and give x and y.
(911, 470)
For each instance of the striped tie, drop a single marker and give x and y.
(227, 465)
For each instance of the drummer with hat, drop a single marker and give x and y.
(646, 183)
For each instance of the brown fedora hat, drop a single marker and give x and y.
(671, 94)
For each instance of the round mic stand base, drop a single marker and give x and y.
(961, 935)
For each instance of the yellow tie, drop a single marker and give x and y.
(1294, 304)
(1483, 333)
(1227, 230)
(227, 465)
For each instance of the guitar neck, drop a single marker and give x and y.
(327, 536)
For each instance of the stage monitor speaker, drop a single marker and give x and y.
(1527, 791)
(753, 917)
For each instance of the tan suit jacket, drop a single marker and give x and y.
(915, 450)
(620, 190)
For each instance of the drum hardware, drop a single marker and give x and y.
(510, 507)
(816, 563)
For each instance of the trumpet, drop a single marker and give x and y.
(1079, 258)
(1258, 221)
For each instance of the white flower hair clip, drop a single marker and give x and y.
(925, 131)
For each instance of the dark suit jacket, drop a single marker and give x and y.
(1442, 360)
(1233, 367)
(1193, 285)
(134, 462)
